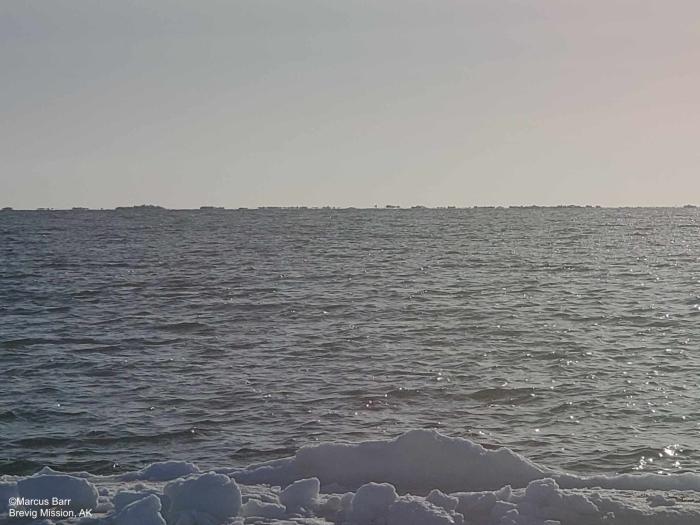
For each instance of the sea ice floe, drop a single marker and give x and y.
(414, 462)
(420, 478)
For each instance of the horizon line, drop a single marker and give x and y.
(157, 207)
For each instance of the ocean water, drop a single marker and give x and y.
(231, 337)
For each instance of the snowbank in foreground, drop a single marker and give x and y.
(420, 478)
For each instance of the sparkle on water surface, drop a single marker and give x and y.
(569, 335)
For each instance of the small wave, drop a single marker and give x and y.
(262, 454)
(163, 437)
(185, 327)
(42, 442)
(20, 343)
(103, 349)
(19, 467)
(103, 439)
(8, 415)
(506, 395)
(86, 293)
(31, 341)
(404, 393)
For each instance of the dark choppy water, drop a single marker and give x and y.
(228, 337)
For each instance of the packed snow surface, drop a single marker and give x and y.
(420, 478)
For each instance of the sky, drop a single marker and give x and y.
(349, 103)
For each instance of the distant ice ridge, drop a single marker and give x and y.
(420, 478)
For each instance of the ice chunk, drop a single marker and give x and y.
(440, 499)
(165, 471)
(414, 511)
(126, 497)
(256, 508)
(49, 470)
(545, 496)
(302, 494)
(330, 507)
(543, 491)
(198, 498)
(477, 503)
(371, 503)
(684, 481)
(419, 462)
(416, 460)
(144, 511)
(279, 472)
(7, 490)
(74, 493)
(659, 500)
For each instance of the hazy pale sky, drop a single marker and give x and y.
(283, 102)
